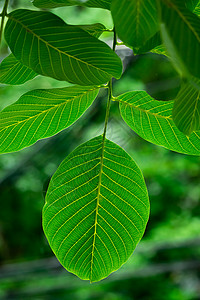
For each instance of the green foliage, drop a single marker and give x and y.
(187, 107)
(42, 113)
(59, 3)
(94, 29)
(183, 41)
(191, 4)
(96, 209)
(56, 49)
(97, 205)
(152, 120)
(12, 71)
(137, 23)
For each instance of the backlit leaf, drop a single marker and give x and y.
(186, 110)
(96, 209)
(42, 113)
(12, 71)
(181, 33)
(152, 120)
(65, 52)
(59, 3)
(197, 10)
(135, 21)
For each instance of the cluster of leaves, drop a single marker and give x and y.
(97, 204)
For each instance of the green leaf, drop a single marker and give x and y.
(42, 113)
(150, 44)
(43, 42)
(152, 120)
(96, 209)
(197, 10)
(186, 110)
(154, 45)
(59, 3)
(135, 21)
(14, 72)
(95, 30)
(191, 4)
(181, 33)
(161, 50)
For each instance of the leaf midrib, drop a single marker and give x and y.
(57, 49)
(98, 204)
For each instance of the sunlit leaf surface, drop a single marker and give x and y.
(135, 21)
(50, 47)
(96, 209)
(152, 120)
(42, 113)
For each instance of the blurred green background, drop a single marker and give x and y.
(166, 263)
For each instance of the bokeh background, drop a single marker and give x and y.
(166, 263)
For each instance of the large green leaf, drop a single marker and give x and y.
(135, 20)
(43, 42)
(12, 71)
(152, 120)
(181, 34)
(96, 209)
(59, 3)
(42, 113)
(186, 110)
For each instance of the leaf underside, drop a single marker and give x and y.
(96, 209)
(186, 110)
(42, 113)
(135, 21)
(12, 71)
(50, 47)
(181, 35)
(152, 120)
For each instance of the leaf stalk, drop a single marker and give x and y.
(110, 94)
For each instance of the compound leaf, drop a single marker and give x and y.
(96, 209)
(59, 3)
(12, 71)
(152, 120)
(135, 21)
(52, 48)
(42, 113)
(183, 40)
(186, 110)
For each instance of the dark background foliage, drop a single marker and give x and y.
(166, 263)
